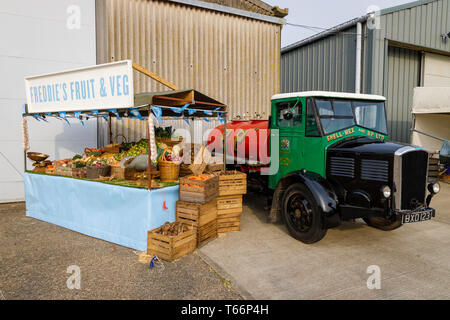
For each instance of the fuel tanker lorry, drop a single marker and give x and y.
(325, 157)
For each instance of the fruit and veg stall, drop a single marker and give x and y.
(126, 192)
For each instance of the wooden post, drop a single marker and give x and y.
(109, 129)
(24, 152)
(149, 168)
(24, 160)
(225, 144)
(154, 76)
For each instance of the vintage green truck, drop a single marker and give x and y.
(333, 162)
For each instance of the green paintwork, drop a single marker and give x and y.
(304, 152)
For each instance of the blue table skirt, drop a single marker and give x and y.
(113, 213)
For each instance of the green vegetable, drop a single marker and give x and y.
(95, 153)
(163, 132)
(76, 157)
(79, 164)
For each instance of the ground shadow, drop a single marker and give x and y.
(259, 207)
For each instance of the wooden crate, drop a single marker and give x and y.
(200, 191)
(232, 183)
(229, 210)
(230, 227)
(206, 233)
(63, 171)
(171, 248)
(214, 168)
(196, 214)
(202, 217)
(123, 173)
(112, 148)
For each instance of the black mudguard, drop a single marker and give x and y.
(323, 194)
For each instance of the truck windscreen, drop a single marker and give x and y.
(336, 115)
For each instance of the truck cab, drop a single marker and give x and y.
(336, 163)
(310, 122)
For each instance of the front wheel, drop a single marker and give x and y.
(302, 215)
(383, 223)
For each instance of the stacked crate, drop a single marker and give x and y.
(170, 248)
(232, 185)
(199, 191)
(197, 206)
(202, 217)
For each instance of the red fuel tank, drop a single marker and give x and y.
(247, 139)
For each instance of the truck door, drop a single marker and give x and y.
(313, 158)
(289, 121)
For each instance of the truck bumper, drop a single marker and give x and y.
(405, 216)
(418, 215)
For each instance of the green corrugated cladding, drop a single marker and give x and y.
(329, 63)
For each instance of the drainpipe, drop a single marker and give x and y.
(358, 57)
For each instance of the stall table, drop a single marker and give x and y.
(118, 214)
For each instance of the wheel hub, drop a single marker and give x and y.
(300, 213)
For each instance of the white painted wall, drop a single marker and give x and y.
(35, 39)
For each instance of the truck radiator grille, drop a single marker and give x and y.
(414, 174)
(375, 170)
(343, 167)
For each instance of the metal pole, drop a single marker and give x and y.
(429, 135)
(358, 57)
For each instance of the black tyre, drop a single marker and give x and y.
(383, 223)
(302, 215)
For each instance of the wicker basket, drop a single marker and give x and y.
(185, 170)
(168, 170)
(94, 172)
(79, 172)
(63, 171)
(123, 173)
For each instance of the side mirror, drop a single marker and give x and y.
(288, 115)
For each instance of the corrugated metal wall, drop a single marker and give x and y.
(403, 74)
(233, 59)
(309, 67)
(328, 64)
(253, 6)
(230, 58)
(419, 26)
(135, 130)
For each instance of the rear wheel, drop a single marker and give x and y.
(383, 223)
(302, 215)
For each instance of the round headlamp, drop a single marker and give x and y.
(434, 187)
(386, 191)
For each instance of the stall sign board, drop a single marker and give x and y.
(100, 87)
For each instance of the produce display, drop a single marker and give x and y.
(173, 229)
(133, 150)
(163, 132)
(128, 166)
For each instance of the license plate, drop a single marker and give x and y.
(417, 216)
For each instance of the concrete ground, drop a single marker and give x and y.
(34, 257)
(264, 262)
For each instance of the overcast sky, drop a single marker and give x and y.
(323, 14)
